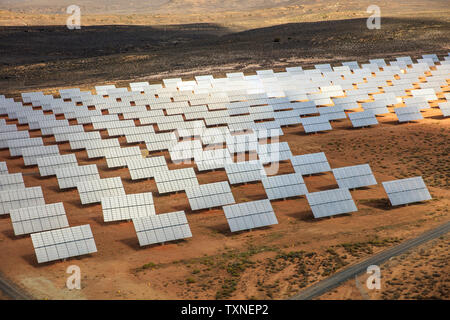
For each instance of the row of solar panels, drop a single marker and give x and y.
(315, 123)
(281, 117)
(240, 217)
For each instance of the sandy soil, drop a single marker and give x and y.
(273, 262)
(422, 273)
(44, 54)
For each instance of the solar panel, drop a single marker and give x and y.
(185, 150)
(78, 140)
(333, 113)
(175, 180)
(236, 108)
(146, 167)
(445, 108)
(114, 128)
(284, 186)
(250, 215)
(12, 181)
(418, 102)
(160, 141)
(48, 165)
(17, 146)
(274, 152)
(406, 114)
(93, 191)
(98, 148)
(242, 172)
(130, 206)
(3, 168)
(162, 228)
(68, 177)
(137, 134)
(216, 135)
(118, 157)
(31, 154)
(63, 243)
(7, 127)
(377, 107)
(433, 57)
(310, 163)
(316, 124)
(47, 126)
(354, 176)
(28, 197)
(406, 59)
(406, 191)
(331, 202)
(241, 143)
(212, 159)
(209, 195)
(62, 133)
(363, 119)
(40, 218)
(12, 135)
(347, 103)
(288, 117)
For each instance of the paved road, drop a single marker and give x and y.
(11, 291)
(350, 272)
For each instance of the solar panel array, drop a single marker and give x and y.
(406, 114)
(128, 206)
(445, 108)
(3, 168)
(12, 181)
(310, 163)
(274, 152)
(63, 243)
(331, 202)
(242, 172)
(12, 135)
(175, 180)
(209, 195)
(212, 159)
(284, 186)
(162, 228)
(48, 165)
(354, 176)
(406, 191)
(118, 157)
(17, 146)
(146, 167)
(250, 215)
(27, 197)
(30, 155)
(40, 218)
(316, 124)
(69, 177)
(363, 118)
(93, 191)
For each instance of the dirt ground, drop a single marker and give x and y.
(422, 273)
(45, 57)
(273, 262)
